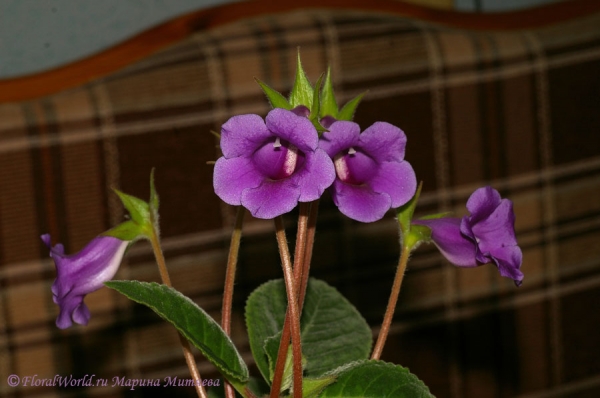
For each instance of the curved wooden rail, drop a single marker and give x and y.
(152, 40)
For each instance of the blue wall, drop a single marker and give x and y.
(36, 35)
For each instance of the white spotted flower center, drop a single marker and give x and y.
(277, 158)
(354, 166)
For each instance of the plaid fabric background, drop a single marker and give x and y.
(517, 110)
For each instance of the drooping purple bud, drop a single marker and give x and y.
(82, 273)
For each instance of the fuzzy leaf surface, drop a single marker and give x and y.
(191, 320)
(376, 379)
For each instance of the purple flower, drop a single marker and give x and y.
(269, 167)
(82, 273)
(485, 236)
(372, 175)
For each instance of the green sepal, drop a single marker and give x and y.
(192, 322)
(154, 202)
(417, 235)
(128, 231)
(138, 209)
(406, 211)
(436, 215)
(275, 98)
(329, 106)
(314, 110)
(315, 104)
(347, 111)
(312, 388)
(302, 91)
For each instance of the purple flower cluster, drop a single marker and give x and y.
(82, 273)
(487, 235)
(269, 166)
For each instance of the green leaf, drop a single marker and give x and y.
(126, 231)
(329, 106)
(376, 379)
(302, 92)
(191, 321)
(264, 319)
(332, 330)
(138, 209)
(347, 112)
(275, 98)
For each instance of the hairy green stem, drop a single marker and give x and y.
(391, 307)
(293, 308)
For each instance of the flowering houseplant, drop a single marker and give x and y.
(303, 147)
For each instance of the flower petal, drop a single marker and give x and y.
(232, 176)
(497, 229)
(242, 134)
(509, 260)
(341, 135)
(482, 203)
(296, 129)
(271, 199)
(316, 175)
(445, 233)
(384, 142)
(82, 315)
(359, 202)
(397, 179)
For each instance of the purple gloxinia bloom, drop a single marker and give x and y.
(82, 273)
(486, 235)
(269, 166)
(372, 175)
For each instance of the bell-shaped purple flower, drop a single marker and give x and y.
(486, 235)
(269, 166)
(82, 273)
(372, 175)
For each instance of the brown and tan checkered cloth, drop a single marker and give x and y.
(518, 110)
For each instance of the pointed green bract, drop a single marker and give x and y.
(347, 112)
(376, 379)
(191, 321)
(323, 346)
(329, 105)
(275, 98)
(302, 91)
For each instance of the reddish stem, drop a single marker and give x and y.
(234, 249)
